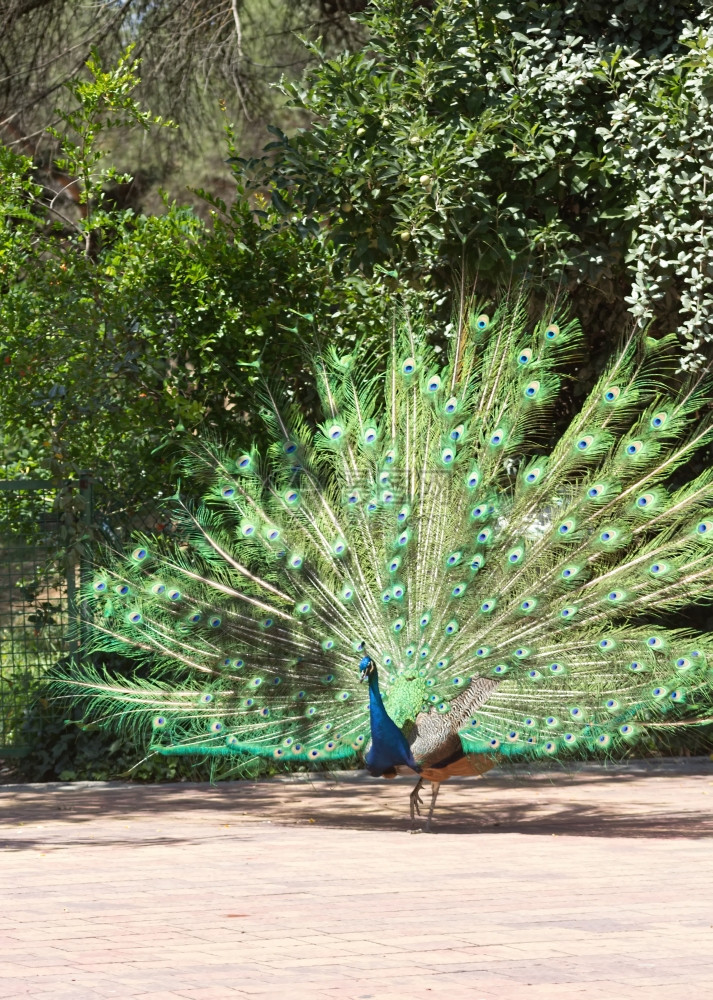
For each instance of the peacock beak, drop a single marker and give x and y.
(363, 675)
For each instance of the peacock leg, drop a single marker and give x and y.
(435, 787)
(416, 801)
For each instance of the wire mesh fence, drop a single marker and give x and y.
(49, 535)
(39, 575)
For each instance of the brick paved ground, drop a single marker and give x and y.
(550, 886)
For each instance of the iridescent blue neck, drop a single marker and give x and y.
(389, 746)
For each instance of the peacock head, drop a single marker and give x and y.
(366, 667)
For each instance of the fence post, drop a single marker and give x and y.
(77, 609)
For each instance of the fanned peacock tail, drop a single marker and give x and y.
(421, 523)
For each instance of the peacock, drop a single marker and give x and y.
(505, 592)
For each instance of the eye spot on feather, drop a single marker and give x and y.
(473, 479)
(704, 528)
(636, 667)
(488, 606)
(451, 406)
(658, 568)
(484, 535)
(678, 696)
(267, 623)
(134, 617)
(295, 561)
(451, 627)
(121, 589)
(595, 491)
(566, 528)
(576, 713)
(296, 748)
(497, 437)
(655, 642)
(584, 443)
(482, 322)
(195, 617)
(454, 558)
(659, 419)
(616, 596)
(552, 332)
(398, 625)
(478, 511)
(513, 736)
(634, 447)
(500, 669)
(244, 462)
(434, 383)
(408, 367)
(557, 669)
(611, 704)
(529, 722)
(372, 506)
(482, 651)
(524, 357)
(533, 475)
(457, 433)
(370, 435)
(612, 394)
(606, 644)
(659, 692)
(532, 389)
(568, 612)
(645, 500)
(627, 730)
(159, 721)
(447, 456)
(353, 497)
(139, 554)
(604, 739)
(289, 447)
(529, 604)
(442, 664)
(173, 594)
(291, 496)
(534, 675)
(608, 535)
(458, 590)
(227, 492)
(476, 563)
(99, 586)
(569, 738)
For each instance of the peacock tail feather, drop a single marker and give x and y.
(423, 523)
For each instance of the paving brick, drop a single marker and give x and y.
(594, 882)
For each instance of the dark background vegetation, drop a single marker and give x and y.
(189, 188)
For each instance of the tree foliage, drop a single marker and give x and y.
(571, 137)
(121, 332)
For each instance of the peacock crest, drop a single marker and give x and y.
(426, 524)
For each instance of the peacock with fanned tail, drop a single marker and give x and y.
(500, 602)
